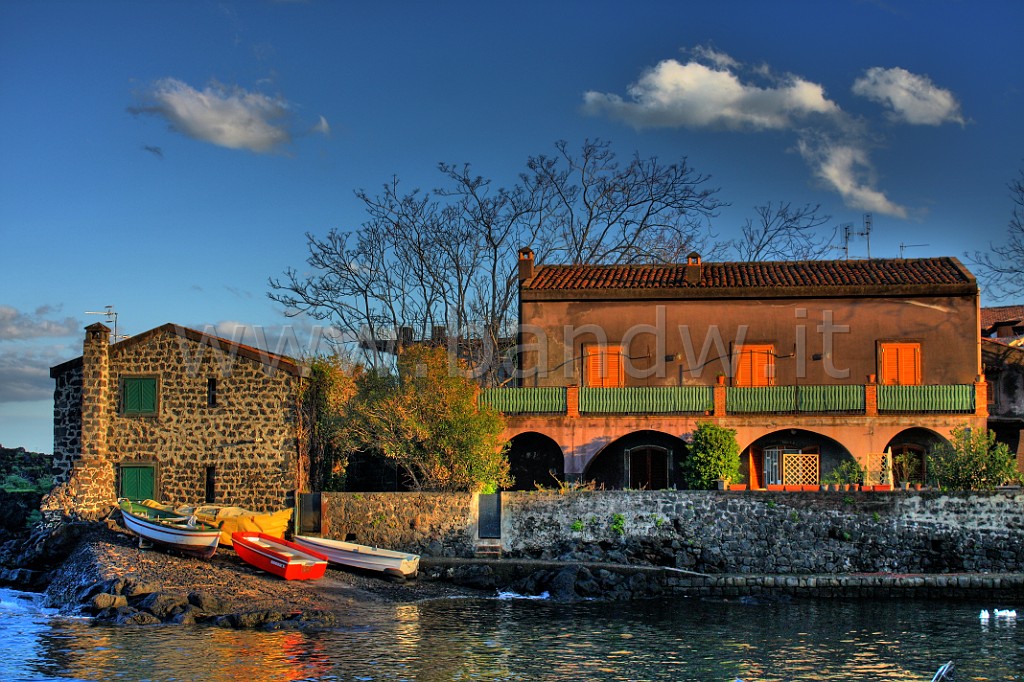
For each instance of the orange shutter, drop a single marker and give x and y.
(901, 363)
(603, 366)
(755, 366)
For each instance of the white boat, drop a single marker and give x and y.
(185, 534)
(391, 563)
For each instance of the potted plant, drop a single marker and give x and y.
(849, 474)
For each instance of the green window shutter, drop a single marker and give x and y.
(137, 482)
(140, 395)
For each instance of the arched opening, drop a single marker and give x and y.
(909, 451)
(644, 460)
(535, 460)
(792, 457)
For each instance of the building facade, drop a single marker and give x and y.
(175, 415)
(812, 363)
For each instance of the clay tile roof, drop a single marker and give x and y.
(877, 273)
(1007, 314)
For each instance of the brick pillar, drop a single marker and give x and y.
(871, 399)
(572, 401)
(719, 393)
(981, 398)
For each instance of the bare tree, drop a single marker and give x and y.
(423, 262)
(784, 232)
(588, 208)
(1001, 268)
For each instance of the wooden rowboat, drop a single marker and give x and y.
(391, 563)
(280, 557)
(231, 519)
(185, 534)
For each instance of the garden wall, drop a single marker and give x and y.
(707, 532)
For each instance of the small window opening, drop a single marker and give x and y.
(211, 392)
(211, 484)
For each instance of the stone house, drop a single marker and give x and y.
(812, 363)
(176, 415)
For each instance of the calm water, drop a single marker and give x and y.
(518, 639)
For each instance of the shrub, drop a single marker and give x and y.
(714, 454)
(972, 461)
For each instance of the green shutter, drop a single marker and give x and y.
(140, 395)
(137, 482)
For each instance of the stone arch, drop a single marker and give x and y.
(641, 460)
(535, 459)
(909, 450)
(809, 454)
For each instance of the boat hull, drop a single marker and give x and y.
(396, 564)
(279, 557)
(171, 531)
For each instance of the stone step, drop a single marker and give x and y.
(488, 550)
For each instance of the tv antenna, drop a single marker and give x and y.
(111, 318)
(849, 232)
(907, 246)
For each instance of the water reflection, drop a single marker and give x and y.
(538, 640)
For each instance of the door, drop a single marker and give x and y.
(138, 482)
(489, 521)
(648, 468)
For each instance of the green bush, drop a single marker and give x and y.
(714, 454)
(973, 461)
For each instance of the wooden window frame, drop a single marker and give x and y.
(128, 381)
(596, 358)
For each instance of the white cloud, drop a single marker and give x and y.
(25, 371)
(695, 95)
(909, 97)
(228, 117)
(16, 325)
(322, 127)
(845, 168)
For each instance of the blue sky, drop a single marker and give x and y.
(166, 158)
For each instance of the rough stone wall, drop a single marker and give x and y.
(780, 533)
(67, 423)
(249, 436)
(708, 532)
(432, 524)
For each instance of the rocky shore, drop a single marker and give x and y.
(107, 576)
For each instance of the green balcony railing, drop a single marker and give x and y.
(830, 398)
(525, 400)
(950, 398)
(760, 399)
(646, 400)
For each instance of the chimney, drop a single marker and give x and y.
(693, 268)
(525, 264)
(95, 391)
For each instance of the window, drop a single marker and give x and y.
(211, 484)
(755, 365)
(602, 366)
(138, 395)
(211, 392)
(899, 363)
(137, 481)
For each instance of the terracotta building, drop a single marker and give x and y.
(812, 363)
(1002, 351)
(176, 415)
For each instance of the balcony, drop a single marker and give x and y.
(870, 399)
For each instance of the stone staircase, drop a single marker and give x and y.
(488, 549)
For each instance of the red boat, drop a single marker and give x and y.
(277, 556)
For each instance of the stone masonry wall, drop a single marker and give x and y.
(67, 423)
(249, 436)
(709, 532)
(432, 524)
